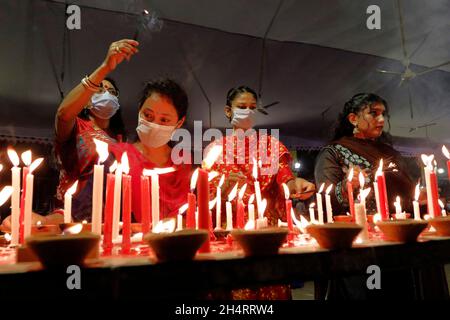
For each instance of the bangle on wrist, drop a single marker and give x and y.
(88, 84)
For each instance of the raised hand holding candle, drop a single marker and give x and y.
(126, 204)
(447, 155)
(328, 204)
(109, 206)
(382, 192)
(97, 189)
(29, 198)
(68, 202)
(288, 205)
(416, 203)
(351, 200)
(229, 209)
(15, 197)
(319, 203)
(240, 210)
(192, 202)
(312, 218)
(219, 203)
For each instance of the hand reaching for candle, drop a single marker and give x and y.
(300, 188)
(120, 50)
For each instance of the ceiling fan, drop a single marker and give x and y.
(408, 74)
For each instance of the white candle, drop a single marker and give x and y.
(319, 203)
(28, 205)
(416, 210)
(261, 223)
(155, 199)
(196, 219)
(117, 202)
(328, 204)
(97, 199)
(179, 222)
(312, 218)
(251, 209)
(68, 202)
(15, 205)
(229, 216)
(398, 206)
(361, 219)
(427, 160)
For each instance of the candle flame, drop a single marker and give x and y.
(72, 189)
(26, 157)
(255, 169)
(250, 225)
(427, 160)
(85, 222)
(113, 167)
(321, 187)
(194, 179)
(183, 208)
(365, 192)
(398, 202)
(125, 164)
(300, 224)
(212, 175)
(102, 150)
(5, 194)
(39, 223)
(251, 199)
(445, 152)
(212, 203)
(75, 229)
(158, 171)
(441, 204)
(281, 223)
(376, 217)
(222, 180)
(233, 192)
(13, 157)
(242, 191)
(286, 191)
(7, 237)
(1, 167)
(165, 226)
(417, 192)
(212, 156)
(36, 163)
(350, 175)
(362, 180)
(380, 169)
(312, 205)
(329, 189)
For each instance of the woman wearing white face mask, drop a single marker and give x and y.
(90, 110)
(162, 110)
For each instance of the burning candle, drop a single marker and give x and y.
(312, 218)
(261, 222)
(203, 192)
(109, 206)
(117, 201)
(229, 209)
(447, 155)
(431, 184)
(257, 187)
(416, 203)
(219, 203)
(328, 204)
(319, 203)
(382, 192)
(181, 211)
(300, 224)
(192, 202)
(240, 211)
(29, 197)
(68, 202)
(288, 205)
(251, 209)
(97, 189)
(126, 204)
(15, 197)
(398, 209)
(360, 214)
(145, 204)
(441, 204)
(26, 159)
(351, 200)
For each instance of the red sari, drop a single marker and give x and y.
(272, 152)
(173, 186)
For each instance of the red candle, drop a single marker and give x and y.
(203, 205)
(240, 214)
(25, 172)
(288, 205)
(145, 204)
(382, 192)
(126, 205)
(435, 194)
(109, 205)
(448, 169)
(190, 218)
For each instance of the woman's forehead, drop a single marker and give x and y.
(159, 105)
(245, 97)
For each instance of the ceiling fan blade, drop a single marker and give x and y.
(401, 82)
(410, 102)
(427, 125)
(402, 34)
(433, 68)
(271, 104)
(263, 111)
(389, 72)
(420, 45)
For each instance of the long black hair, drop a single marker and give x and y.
(234, 92)
(357, 103)
(116, 123)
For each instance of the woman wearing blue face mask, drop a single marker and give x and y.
(162, 110)
(91, 110)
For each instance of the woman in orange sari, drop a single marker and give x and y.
(241, 149)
